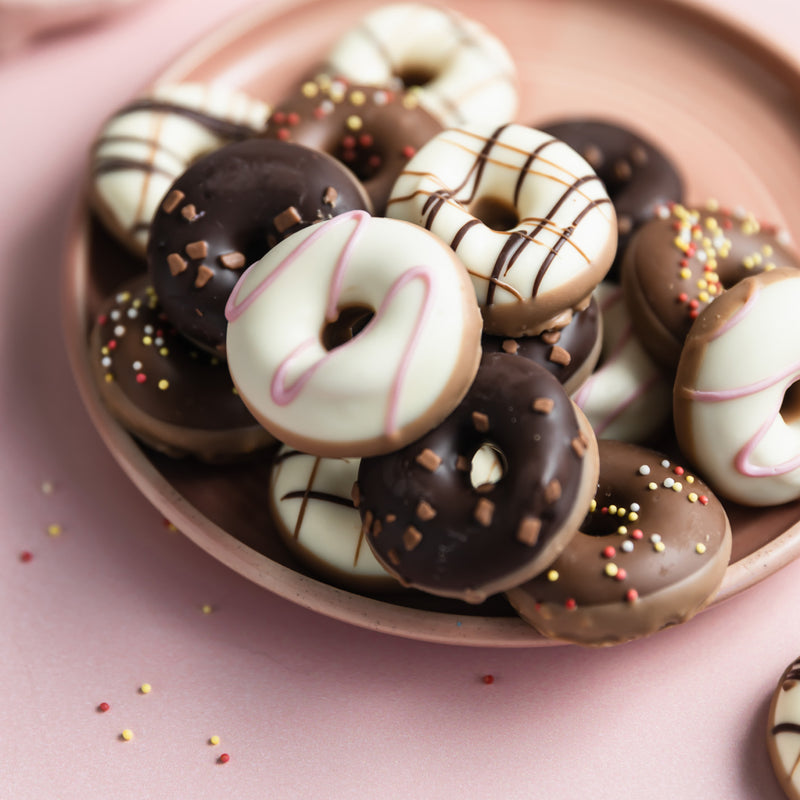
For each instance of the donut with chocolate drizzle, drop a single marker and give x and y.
(526, 214)
(225, 212)
(436, 531)
(651, 553)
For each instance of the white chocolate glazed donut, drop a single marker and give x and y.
(526, 214)
(464, 72)
(146, 145)
(313, 508)
(628, 397)
(735, 401)
(783, 730)
(387, 384)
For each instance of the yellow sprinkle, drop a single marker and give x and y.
(713, 289)
(552, 575)
(621, 512)
(612, 510)
(757, 259)
(748, 262)
(54, 529)
(410, 100)
(622, 530)
(700, 547)
(310, 89)
(163, 351)
(697, 235)
(214, 740)
(685, 273)
(767, 250)
(207, 609)
(163, 384)
(701, 284)
(677, 486)
(109, 377)
(689, 478)
(724, 252)
(633, 516)
(593, 505)
(611, 569)
(711, 263)
(104, 351)
(145, 688)
(712, 204)
(769, 267)
(354, 123)
(692, 497)
(124, 297)
(659, 547)
(652, 486)
(324, 81)
(711, 223)
(357, 97)
(47, 487)
(127, 735)
(703, 297)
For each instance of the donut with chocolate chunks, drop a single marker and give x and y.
(679, 262)
(160, 387)
(651, 553)
(570, 354)
(638, 176)
(373, 130)
(434, 530)
(225, 212)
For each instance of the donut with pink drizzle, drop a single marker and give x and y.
(354, 336)
(736, 405)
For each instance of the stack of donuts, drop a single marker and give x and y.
(465, 338)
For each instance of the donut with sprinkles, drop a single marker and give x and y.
(678, 263)
(783, 730)
(168, 393)
(651, 553)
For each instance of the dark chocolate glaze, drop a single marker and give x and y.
(454, 553)
(578, 340)
(662, 302)
(637, 175)
(246, 196)
(161, 386)
(373, 130)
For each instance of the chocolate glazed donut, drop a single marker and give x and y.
(435, 531)
(225, 212)
(638, 176)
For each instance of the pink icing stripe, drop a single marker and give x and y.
(736, 318)
(719, 395)
(745, 466)
(282, 394)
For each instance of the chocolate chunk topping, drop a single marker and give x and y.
(204, 275)
(425, 511)
(377, 527)
(480, 421)
(411, 538)
(551, 337)
(393, 556)
(579, 447)
(176, 263)
(428, 459)
(528, 531)
(510, 346)
(234, 260)
(623, 170)
(552, 491)
(593, 154)
(190, 212)
(484, 511)
(543, 405)
(288, 217)
(559, 355)
(463, 464)
(330, 196)
(197, 249)
(172, 200)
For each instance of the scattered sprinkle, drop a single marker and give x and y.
(224, 758)
(213, 740)
(25, 556)
(145, 688)
(103, 707)
(54, 529)
(700, 548)
(207, 608)
(47, 487)
(126, 735)
(488, 679)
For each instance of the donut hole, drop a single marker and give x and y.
(602, 522)
(790, 407)
(351, 320)
(415, 75)
(495, 213)
(488, 466)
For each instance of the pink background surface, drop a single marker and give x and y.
(305, 706)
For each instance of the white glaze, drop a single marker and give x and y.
(564, 237)
(388, 385)
(783, 731)
(473, 75)
(139, 153)
(627, 397)
(311, 501)
(741, 356)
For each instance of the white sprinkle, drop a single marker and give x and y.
(326, 106)
(119, 330)
(665, 463)
(115, 314)
(663, 212)
(644, 470)
(380, 98)
(668, 482)
(627, 546)
(149, 329)
(159, 340)
(701, 256)
(105, 361)
(635, 507)
(137, 365)
(133, 313)
(655, 538)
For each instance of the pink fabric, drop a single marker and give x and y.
(305, 706)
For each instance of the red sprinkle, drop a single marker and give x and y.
(103, 707)
(609, 552)
(621, 575)
(112, 344)
(292, 118)
(349, 142)
(571, 604)
(284, 134)
(487, 679)
(365, 140)
(683, 297)
(224, 758)
(679, 470)
(631, 595)
(25, 556)
(408, 151)
(636, 533)
(279, 117)
(141, 377)
(703, 499)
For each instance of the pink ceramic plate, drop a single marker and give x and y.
(718, 100)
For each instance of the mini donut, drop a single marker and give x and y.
(459, 70)
(638, 176)
(525, 213)
(679, 262)
(651, 553)
(156, 384)
(372, 130)
(225, 212)
(569, 353)
(150, 142)
(783, 730)
(312, 506)
(735, 401)
(429, 525)
(628, 397)
(354, 336)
